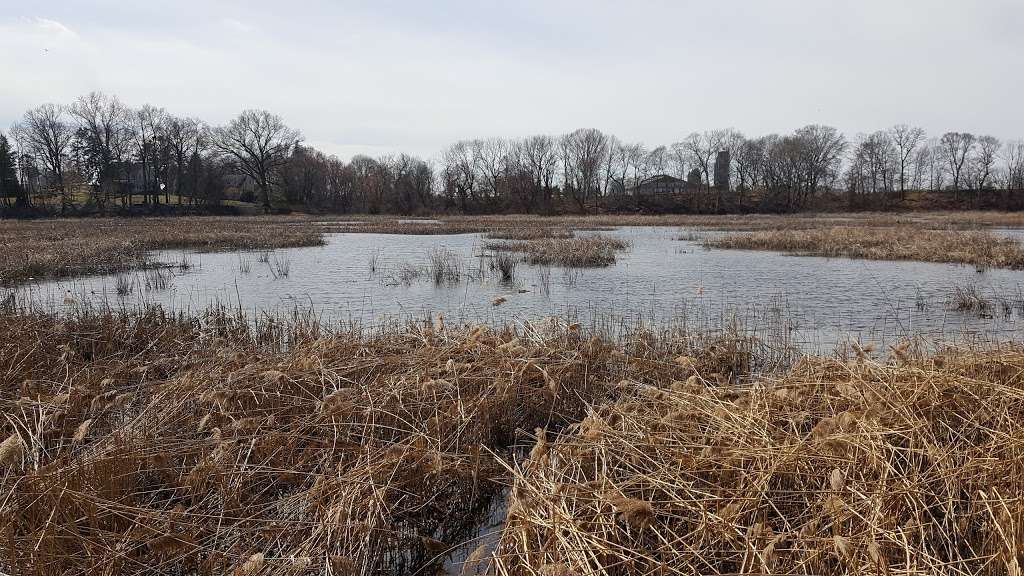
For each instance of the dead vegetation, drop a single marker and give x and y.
(982, 249)
(142, 443)
(65, 248)
(147, 442)
(577, 252)
(527, 226)
(911, 466)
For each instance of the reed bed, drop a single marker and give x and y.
(509, 226)
(907, 466)
(577, 252)
(145, 442)
(982, 249)
(530, 233)
(139, 443)
(64, 248)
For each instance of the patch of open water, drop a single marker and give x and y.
(660, 280)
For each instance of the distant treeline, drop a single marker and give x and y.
(97, 155)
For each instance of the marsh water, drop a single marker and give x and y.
(665, 278)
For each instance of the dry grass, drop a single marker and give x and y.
(529, 233)
(147, 443)
(526, 226)
(64, 248)
(139, 444)
(980, 248)
(914, 466)
(577, 252)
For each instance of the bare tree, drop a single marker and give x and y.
(1013, 159)
(185, 137)
(490, 160)
(656, 161)
(46, 133)
(677, 158)
(701, 149)
(458, 175)
(983, 161)
(749, 161)
(147, 127)
(956, 147)
(104, 129)
(259, 143)
(540, 156)
(797, 167)
(876, 160)
(584, 152)
(906, 139)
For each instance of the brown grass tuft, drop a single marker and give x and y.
(579, 252)
(11, 450)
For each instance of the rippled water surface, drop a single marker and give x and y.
(659, 279)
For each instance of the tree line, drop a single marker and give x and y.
(97, 154)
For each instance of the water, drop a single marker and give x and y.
(659, 280)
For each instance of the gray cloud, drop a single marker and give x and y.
(414, 76)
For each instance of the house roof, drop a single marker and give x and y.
(660, 179)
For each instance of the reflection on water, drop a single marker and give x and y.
(366, 278)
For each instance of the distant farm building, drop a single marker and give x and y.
(660, 185)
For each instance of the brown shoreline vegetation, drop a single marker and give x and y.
(516, 226)
(76, 247)
(982, 249)
(141, 442)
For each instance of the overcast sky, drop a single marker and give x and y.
(383, 76)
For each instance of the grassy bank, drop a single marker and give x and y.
(141, 443)
(64, 248)
(979, 248)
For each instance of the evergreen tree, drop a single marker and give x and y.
(9, 186)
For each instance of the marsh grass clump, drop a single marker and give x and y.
(123, 284)
(578, 252)
(530, 233)
(444, 266)
(967, 298)
(807, 473)
(505, 265)
(156, 278)
(280, 266)
(982, 249)
(544, 280)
